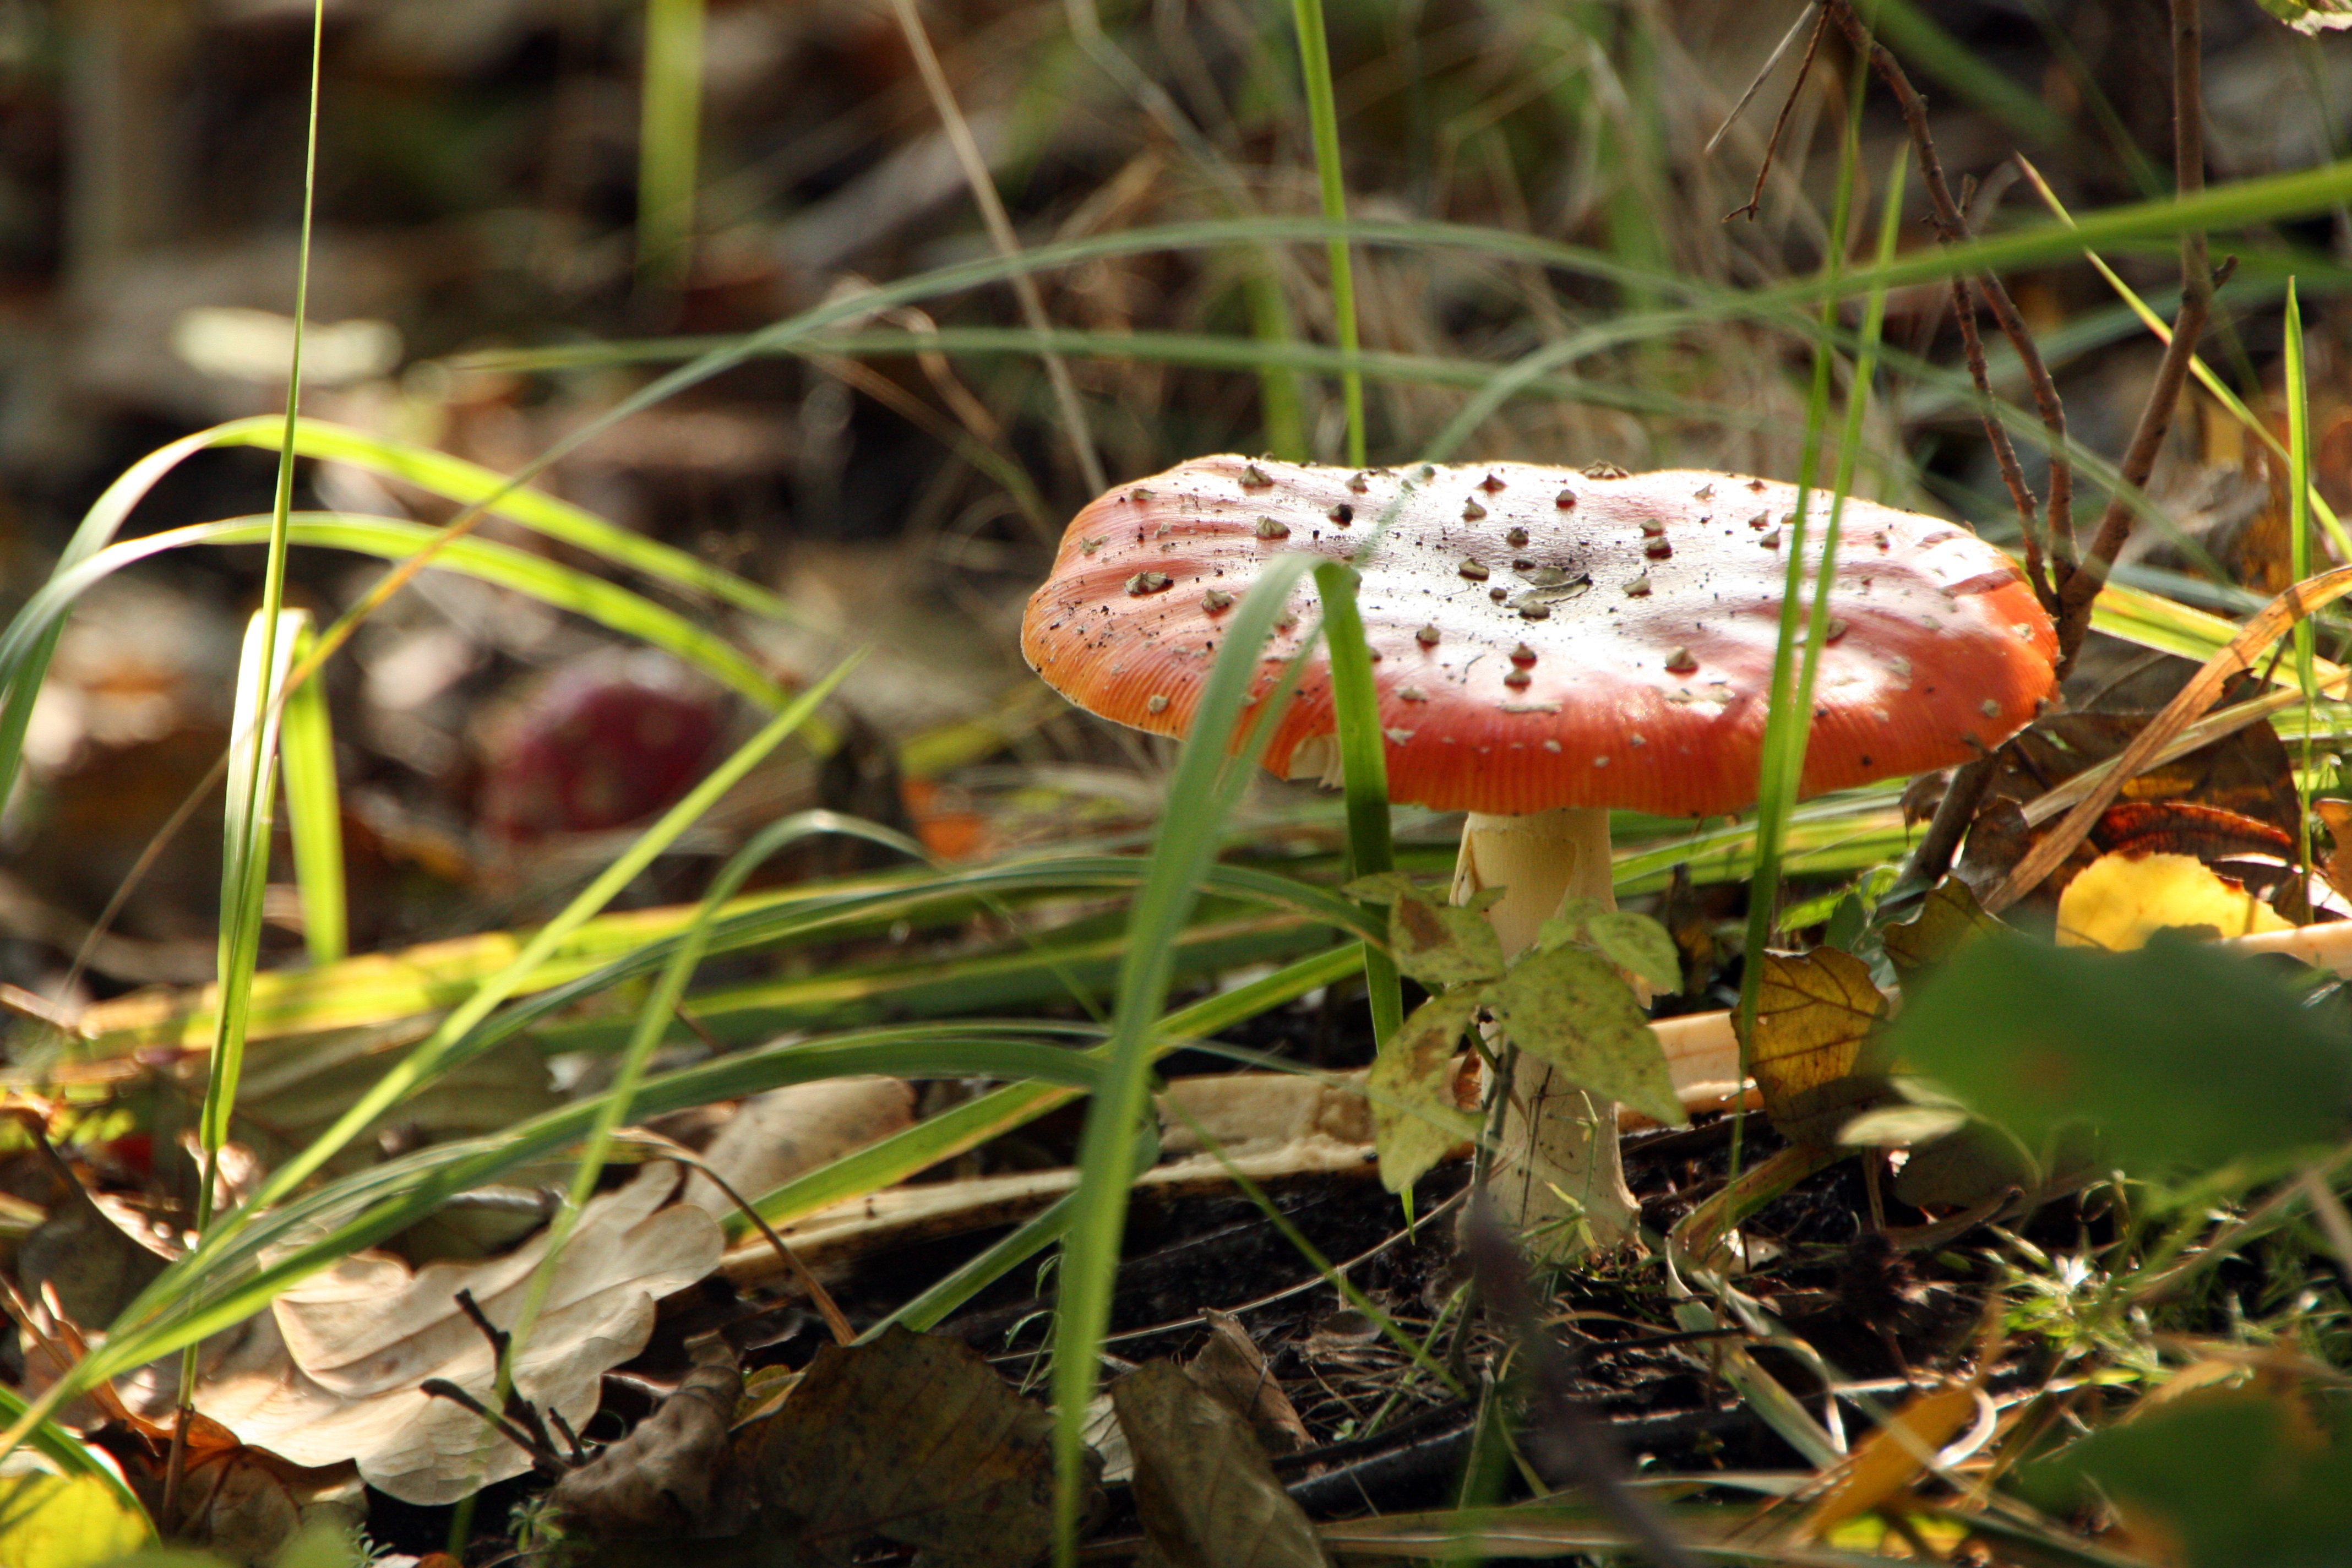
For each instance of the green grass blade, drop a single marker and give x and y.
(614, 949)
(2214, 384)
(1281, 409)
(252, 768)
(203, 1294)
(669, 140)
(1363, 761)
(551, 581)
(654, 1016)
(969, 1279)
(470, 484)
(2298, 490)
(2217, 208)
(1788, 724)
(1332, 181)
(1208, 771)
(972, 1123)
(314, 815)
(247, 821)
(1917, 39)
(648, 845)
(65, 1451)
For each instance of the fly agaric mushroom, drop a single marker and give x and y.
(1548, 644)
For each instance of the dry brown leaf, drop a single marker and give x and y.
(1232, 1371)
(1206, 1491)
(1813, 1013)
(913, 1438)
(665, 1477)
(1948, 917)
(332, 1371)
(787, 1132)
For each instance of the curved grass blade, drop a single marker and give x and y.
(617, 947)
(2299, 496)
(200, 1296)
(549, 581)
(2212, 383)
(661, 1003)
(1363, 762)
(470, 484)
(247, 821)
(1788, 720)
(202, 1293)
(648, 847)
(314, 818)
(972, 1123)
(1210, 773)
(1332, 183)
(65, 1451)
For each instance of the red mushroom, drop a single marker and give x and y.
(603, 743)
(1549, 644)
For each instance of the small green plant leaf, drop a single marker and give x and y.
(1573, 1009)
(1388, 887)
(2148, 1047)
(2312, 18)
(1636, 943)
(1415, 1119)
(1442, 944)
(2222, 1478)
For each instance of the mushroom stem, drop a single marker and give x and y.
(1554, 1134)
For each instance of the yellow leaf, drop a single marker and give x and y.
(1888, 1459)
(53, 1522)
(1813, 1014)
(2120, 901)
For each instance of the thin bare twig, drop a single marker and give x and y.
(1779, 121)
(977, 176)
(1771, 63)
(2012, 473)
(2196, 284)
(1951, 224)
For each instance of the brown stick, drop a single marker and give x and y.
(1780, 123)
(2082, 587)
(2012, 474)
(1952, 225)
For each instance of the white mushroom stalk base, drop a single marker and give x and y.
(1557, 1139)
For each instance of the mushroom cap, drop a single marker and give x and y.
(1547, 637)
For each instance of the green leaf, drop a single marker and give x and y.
(1388, 887)
(55, 1521)
(2151, 1047)
(1636, 943)
(2223, 1478)
(2312, 18)
(1572, 1009)
(1442, 944)
(1415, 1119)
